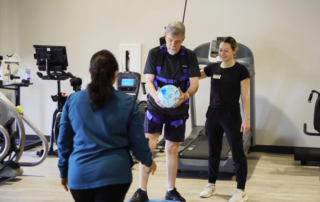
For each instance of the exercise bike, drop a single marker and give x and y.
(53, 60)
(129, 83)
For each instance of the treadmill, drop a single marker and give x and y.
(194, 152)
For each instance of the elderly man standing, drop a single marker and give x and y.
(176, 65)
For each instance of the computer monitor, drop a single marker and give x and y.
(56, 57)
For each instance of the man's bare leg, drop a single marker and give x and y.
(172, 162)
(153, 140)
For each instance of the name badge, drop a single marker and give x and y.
(216, 76)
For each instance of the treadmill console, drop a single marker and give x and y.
(129, 83)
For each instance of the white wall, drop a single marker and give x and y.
(283, 35)
(2, 7)
(2, 19)
(8, 44)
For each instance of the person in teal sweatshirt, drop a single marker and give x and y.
(98, 128)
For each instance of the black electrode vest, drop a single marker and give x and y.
(184, 66)
(185, 78)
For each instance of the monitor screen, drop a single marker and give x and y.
(127, 82)
(55, 55)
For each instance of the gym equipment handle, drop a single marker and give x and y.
(307, 133)
(144, 87)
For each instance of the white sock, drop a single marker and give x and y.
(170, 189)
(212, 185)
(143, 189)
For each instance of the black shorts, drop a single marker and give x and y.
(171, 133)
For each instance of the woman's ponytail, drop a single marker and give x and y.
(103, 67)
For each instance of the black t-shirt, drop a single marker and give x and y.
(225, 84)
(171, 69)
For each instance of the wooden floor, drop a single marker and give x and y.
(271, 177)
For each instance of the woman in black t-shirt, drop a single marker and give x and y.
(229, 81)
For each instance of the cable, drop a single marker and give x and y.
(185, 6)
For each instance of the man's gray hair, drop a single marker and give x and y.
(176, 28)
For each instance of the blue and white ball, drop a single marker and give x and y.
(168, 96)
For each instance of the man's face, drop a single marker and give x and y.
(173, 43)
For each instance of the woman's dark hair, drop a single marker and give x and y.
(230, 40)
(103, 66)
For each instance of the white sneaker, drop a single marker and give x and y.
(208, 191)
(238, 196)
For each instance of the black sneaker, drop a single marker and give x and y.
(139, 196)
(174, 195)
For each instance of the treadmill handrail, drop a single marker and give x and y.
(42, 138)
